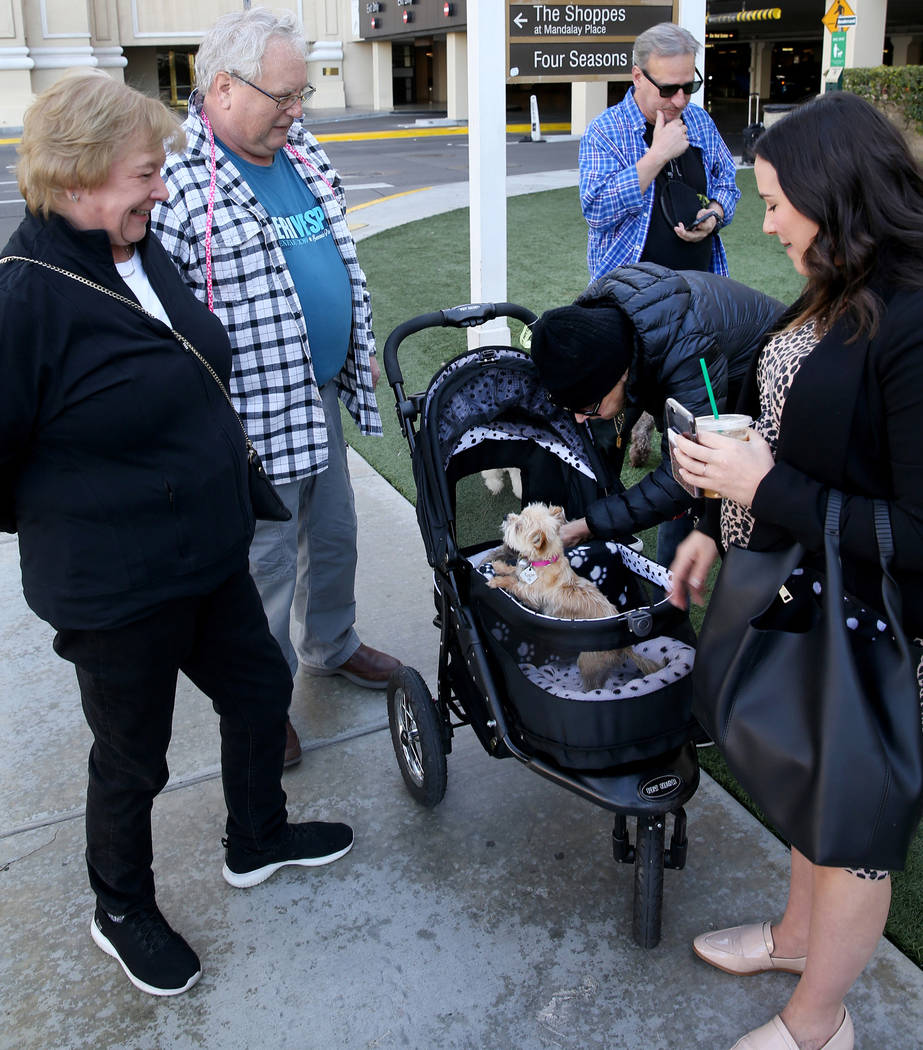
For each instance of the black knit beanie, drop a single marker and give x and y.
(581, 352)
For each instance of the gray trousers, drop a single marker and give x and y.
(305, 569)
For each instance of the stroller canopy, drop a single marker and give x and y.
(472, 400)
(476, 407)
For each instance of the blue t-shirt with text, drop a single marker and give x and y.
(313, 259)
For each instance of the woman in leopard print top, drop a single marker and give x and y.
(838, 396)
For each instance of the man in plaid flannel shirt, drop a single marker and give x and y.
(631, 153)
(256, 224)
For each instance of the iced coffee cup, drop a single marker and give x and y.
(731, 426)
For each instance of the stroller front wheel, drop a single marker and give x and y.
(416, 735)
(648, 901)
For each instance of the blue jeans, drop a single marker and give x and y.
(670, 535)
(127, 677)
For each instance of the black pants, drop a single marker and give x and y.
(127, 677)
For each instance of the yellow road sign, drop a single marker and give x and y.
(839, 16)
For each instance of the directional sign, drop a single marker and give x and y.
(839, 16)
(583, 41)
(569, 61)
(585, 20)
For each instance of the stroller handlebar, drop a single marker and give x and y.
(468, 315)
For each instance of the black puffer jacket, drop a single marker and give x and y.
(679, 317)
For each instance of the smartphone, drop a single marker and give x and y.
(679, 420)
(698, 222)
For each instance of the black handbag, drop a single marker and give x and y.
(267, 505)
(820, 724)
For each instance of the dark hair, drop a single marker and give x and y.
(843, 164)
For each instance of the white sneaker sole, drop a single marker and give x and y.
(102, 941)
(245, 879)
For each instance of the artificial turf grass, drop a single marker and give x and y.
(424, 266)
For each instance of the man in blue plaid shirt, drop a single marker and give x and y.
(654, 164)
(256, 223)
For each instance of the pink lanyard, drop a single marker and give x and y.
(211, 203)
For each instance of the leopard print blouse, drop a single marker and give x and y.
(777, 367)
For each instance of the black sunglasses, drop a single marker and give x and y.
(669, 90)
(588, 412)
(281, 101)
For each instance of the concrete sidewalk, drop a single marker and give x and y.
(497, 920)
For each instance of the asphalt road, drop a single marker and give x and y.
(371, 169)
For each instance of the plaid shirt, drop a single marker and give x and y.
(272, 381)
(610, 195)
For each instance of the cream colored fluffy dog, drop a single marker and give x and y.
(544, 580)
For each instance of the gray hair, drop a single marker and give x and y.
(664, 40)
(237, 42)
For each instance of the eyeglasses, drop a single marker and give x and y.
(281, 101)
(590, 413)
(669, 90)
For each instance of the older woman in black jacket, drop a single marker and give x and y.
(838, 393)
(123, 469)
(634, 338)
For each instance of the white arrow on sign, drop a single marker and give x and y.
(520, 20)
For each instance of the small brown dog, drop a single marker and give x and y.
(544, 580)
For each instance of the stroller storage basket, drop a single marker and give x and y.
(632, 716)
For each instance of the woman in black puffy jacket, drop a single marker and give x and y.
(631, 340)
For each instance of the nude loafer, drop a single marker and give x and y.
(775, 1036)
(744, 950)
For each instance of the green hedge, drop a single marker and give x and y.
(901, 86)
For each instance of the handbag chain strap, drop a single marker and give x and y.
(181, 339)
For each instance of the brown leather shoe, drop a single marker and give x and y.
(366, 667)
(292, 746)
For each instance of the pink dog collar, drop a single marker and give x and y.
(550, 561)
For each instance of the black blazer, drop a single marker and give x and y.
(852, 421)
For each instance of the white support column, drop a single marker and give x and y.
(865, 42)
(382, 83)
(691, 16)
(761, 69)
(325, 70)
(58, 37)
(15, 85)
(456, 60)
(487, 163)
(587, 101)
(15, 66)
(105, 40)
(900, 42)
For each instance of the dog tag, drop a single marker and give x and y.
(528, 574)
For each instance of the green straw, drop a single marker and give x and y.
(711, 393)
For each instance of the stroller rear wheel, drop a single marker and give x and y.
(417, 736)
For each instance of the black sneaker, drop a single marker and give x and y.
(154, 956)
(309, 845)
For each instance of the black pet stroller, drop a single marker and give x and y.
(509, 672)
